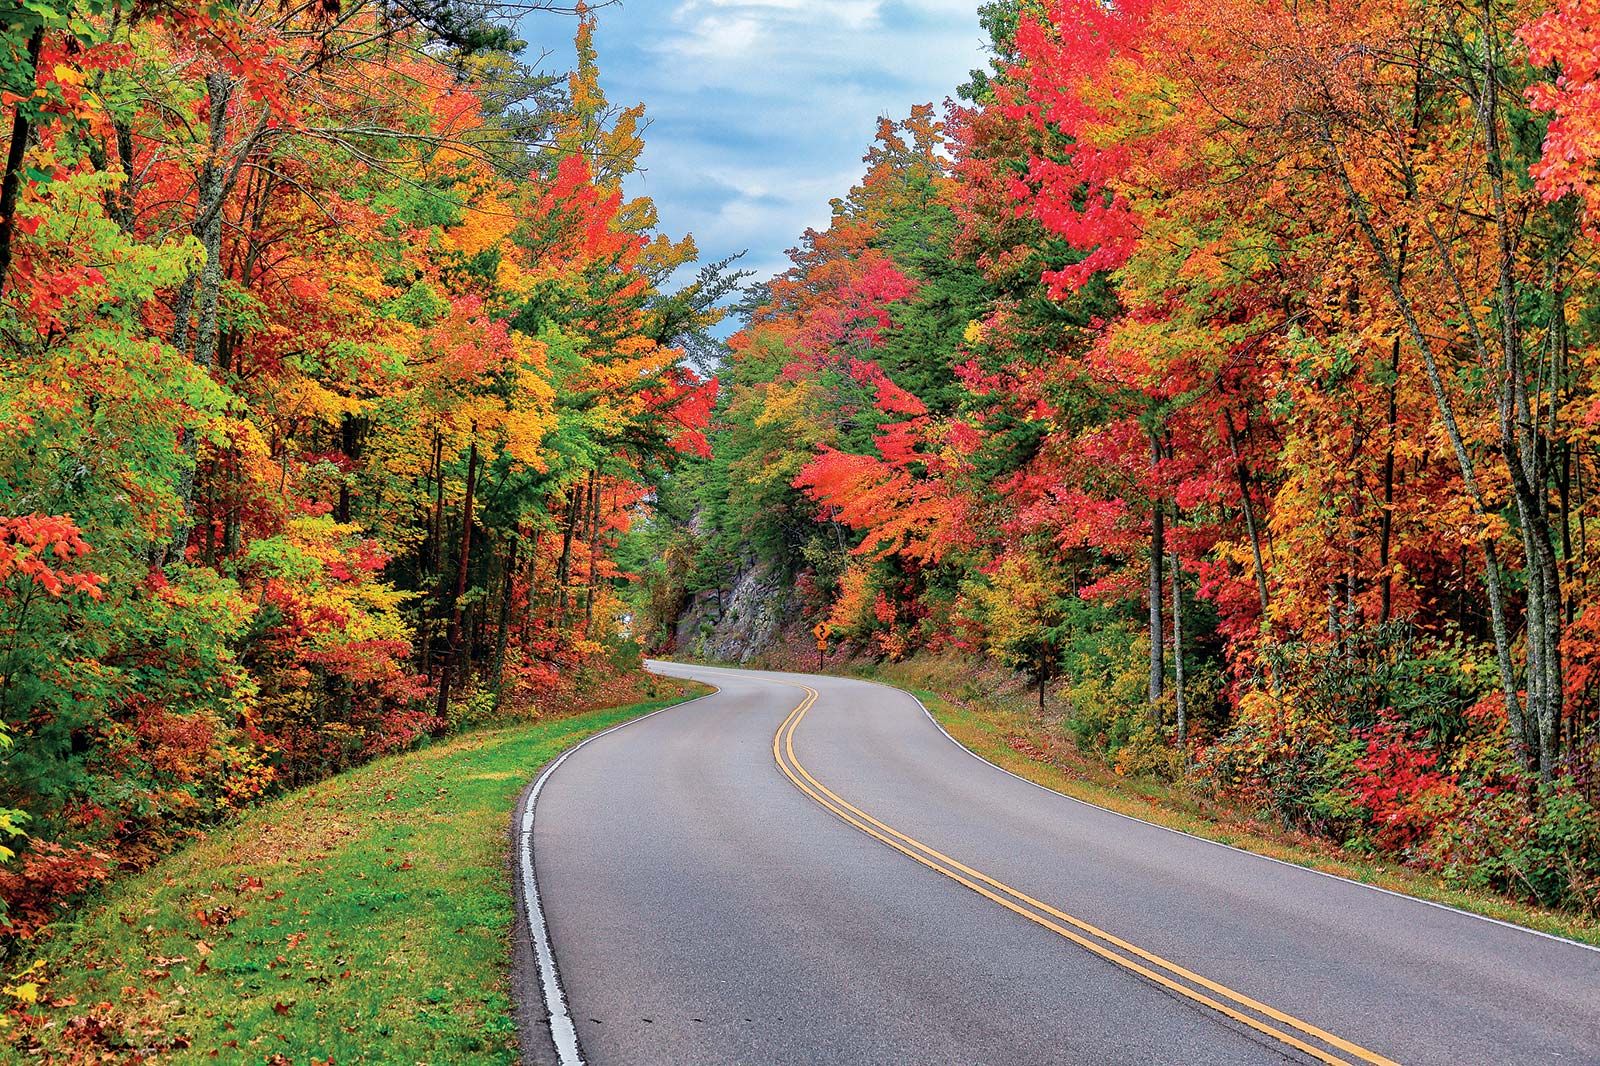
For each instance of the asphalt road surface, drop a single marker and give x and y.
(805, 869)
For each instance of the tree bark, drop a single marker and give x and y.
(1524, 453)
(120, 204)
(594, 550)
(564, 566)
(1386, 520)
(434, 557)
(1242, 472)
(1178, 691)
(1158, 629)
(11, 184)
(211, 191)
(232, 530)
(1044, 672)
(453, 645)
(502, 641)
(350, 434)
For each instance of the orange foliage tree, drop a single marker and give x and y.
(332, 363)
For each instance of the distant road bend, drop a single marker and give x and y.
(804, 869)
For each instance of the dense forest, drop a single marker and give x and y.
(333, 361)
(1228, 369)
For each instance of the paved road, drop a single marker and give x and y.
(708, 904)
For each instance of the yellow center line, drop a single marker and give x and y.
(988, 887)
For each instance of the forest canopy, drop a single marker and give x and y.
(1229, 370)
(334, 360)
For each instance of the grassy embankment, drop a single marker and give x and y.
(993, 713)
(1008, 733)
(363, 920)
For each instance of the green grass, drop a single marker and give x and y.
(364, 920)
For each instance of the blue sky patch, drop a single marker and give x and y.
(762, 109)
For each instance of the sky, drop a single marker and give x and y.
(760, 110)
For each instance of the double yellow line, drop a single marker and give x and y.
(1264, 1019)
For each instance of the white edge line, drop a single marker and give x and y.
(1192, 836)
(562, 1030)
(1245, 851)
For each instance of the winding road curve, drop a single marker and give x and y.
(804, 869)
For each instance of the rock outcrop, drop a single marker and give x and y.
(737, 624)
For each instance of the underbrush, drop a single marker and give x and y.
(364, 919)
(1385, 763)
(166, 800)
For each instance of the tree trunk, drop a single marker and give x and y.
(564, 567)
(453, 646)
(11, 184)
(533, 590)
(211, 192)
(502, 640)
(233, 523)
(1564, 488)
(121, 203)
(208, 549)
(1386, 520)
(1391, 422)
(1243, 474)
(594, 551)
(1158, 629)
(1493, 578)
(350, 440)
(1524, 452)
(1044, 674)
(433, 559)
(1178, 692)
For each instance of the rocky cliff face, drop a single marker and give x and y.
(736, 624)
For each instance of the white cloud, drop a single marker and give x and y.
(852, 14)
(717, 35)
(731, 39)
(762, 109)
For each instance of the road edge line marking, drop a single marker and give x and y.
(1557, 937)
(1503, 923)
(1084, 942)
(563, 1031)
(841, 808)
(1156, 960)
(838, 808)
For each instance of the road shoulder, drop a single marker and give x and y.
(1010, 742)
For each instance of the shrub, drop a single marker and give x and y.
(1375, 672)
(1107, 667)
(1148, 752)
(1546, 850)
(1320, 732)
(46, 881)
(1397, 783)
(1289, 763)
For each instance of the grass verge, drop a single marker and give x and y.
(364, 920)
(992, 712)
(1018, 742)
